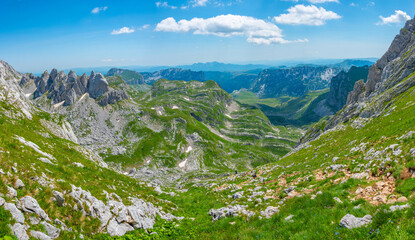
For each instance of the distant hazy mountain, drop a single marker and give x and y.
(347, 64)
(222, 67)
(174, 74)
(129, 76)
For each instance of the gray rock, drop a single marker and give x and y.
(19, 230)
(19, 184)
(349, 221)
(269, 211)
(52, 231)
(40, 235)
(2, 201)
(16, 214)
(399, 207)
(289, 219)
(30, 205)
(337, 200)
(118, 229)
(290, 189)
(60, 200)
(2, 172)
(229, 212)
(337, 167)
(12, 193)
(237, 195)
(98, 85)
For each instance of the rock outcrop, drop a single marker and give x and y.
(66, 89)
(349, 221)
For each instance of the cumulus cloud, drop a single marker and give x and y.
(165, 5)
(306, 15)
(398, 17)
(323, 1)
(98, 10)
(145, 26)
(255, 30)
(124, 30)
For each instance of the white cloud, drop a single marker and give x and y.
(107, 60)
(124, 30)
(398, 17)
(306, 15)
(98, 10)
(146, 26)
(255, 30)
(323, 1)
(164, 5)
(353, 4)
(199, 3)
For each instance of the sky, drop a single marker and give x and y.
(37, 34)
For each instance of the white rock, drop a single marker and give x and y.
(19, 184)
(30, 205)
(19, 230)
(40, 235)
(52, 231)
(16, 214)
(116, 229)
(12, 192)
(349, 221)
(399, 207)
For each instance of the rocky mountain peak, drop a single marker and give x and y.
(401, 48)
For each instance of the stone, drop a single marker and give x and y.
(2, 172)
(2, 201)
(16, 214)
(360, 176)
(399, 207)
(337, 167)
(349, 221)
(40, 235)
(19, 184)
(116, 229)
(12, 193)
(30, 205)
(335, 159)
(19, 230)
(60, 200)
(337, 200)
(402, 199)
(269, 211)
(52, 231)
(289, 218)
(237, 195)
(78, 164)
(290, 189)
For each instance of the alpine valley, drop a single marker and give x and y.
(212, 151)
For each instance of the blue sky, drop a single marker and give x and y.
(38, 35)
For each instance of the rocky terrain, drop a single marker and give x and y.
(352, 176)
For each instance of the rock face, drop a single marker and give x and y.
(30, 205)
(349, 221)
(343, 83)
(389, 77)
(174, 74)
(66, 89)
(294, 81)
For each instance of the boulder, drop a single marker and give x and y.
(269, 211)
(16, 214)
(60, 200)
(40, 235)
(399, 207)
(237, 195)
(118, 229)
(30, 205)
(12, 193)
(349, 221)
(19, 230)
(2, 201)
(52, 231)
(19, 184)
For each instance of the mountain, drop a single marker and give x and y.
(222, 67)
(129, 76)
(348, 63)
(232, 81)
(295, 81)
(174, 74)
